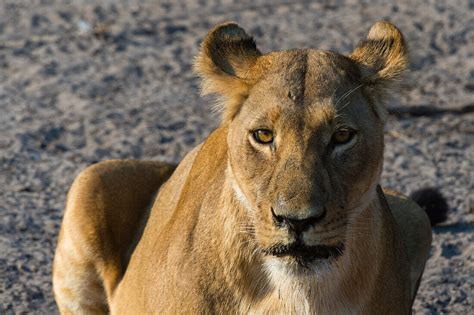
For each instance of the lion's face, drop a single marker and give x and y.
(305, 137)
(304, 149)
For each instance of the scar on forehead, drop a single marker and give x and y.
(291, 95)
(295, 76)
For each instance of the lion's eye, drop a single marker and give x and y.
(263, 136)
(342, 136)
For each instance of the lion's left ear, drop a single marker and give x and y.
(229, 66)
(383, 58)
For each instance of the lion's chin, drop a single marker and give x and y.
(304, 255)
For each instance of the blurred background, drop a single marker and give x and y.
(85, 81)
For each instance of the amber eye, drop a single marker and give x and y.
(342, 136)
(263, 136)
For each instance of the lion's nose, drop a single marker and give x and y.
(297, 225)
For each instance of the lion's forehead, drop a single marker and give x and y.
(309, 75)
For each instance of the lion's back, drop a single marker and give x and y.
(415, 231)
(107, 205)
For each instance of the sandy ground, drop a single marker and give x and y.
(82, 82)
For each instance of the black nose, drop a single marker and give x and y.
(297, 225)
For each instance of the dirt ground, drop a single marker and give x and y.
(84, 81)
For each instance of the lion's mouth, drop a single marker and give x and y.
(304, 254)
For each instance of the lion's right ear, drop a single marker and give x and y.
(228, 65)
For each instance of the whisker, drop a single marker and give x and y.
(344, 106)
(334, 92)
(347, 94)
(342, 97)
(256, 251)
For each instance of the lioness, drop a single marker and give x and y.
(278, 211)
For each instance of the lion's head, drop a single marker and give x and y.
(305, 140)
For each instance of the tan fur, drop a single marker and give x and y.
(135, 242)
